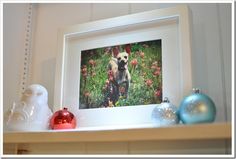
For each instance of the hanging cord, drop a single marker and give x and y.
(27, 51)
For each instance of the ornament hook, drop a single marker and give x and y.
(166, 100)
(196, 90)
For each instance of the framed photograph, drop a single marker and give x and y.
(121, 75)
(111, 73)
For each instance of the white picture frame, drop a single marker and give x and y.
(171, 25)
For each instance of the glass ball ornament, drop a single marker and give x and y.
(165, 114)
(197, 108)
(63, 119)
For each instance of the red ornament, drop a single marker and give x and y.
(63, 119)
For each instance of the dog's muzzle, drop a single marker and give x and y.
(122, 65)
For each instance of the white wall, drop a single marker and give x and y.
(14, 24)
(211, 44)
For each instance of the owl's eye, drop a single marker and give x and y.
(125, 57)
(39, 93)
(28, 92)
(119, 58)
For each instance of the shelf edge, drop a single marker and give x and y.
(184, 132)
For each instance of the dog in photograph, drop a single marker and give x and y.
(118, 68)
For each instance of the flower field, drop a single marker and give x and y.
(145, 67)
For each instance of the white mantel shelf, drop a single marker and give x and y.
(178, 132)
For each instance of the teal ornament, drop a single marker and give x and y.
(197, 108)
(165, 114)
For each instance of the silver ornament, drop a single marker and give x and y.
(165, 114)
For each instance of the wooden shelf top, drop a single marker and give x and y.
(178, 132)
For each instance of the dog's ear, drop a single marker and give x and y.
(115, 51)
(128, 49)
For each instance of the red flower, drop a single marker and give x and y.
(144, 74)
(145, 45)
(110, 75)
(128, 48)
(84, 74)
(104, 88)
(157, 73)
(149, 82)
(107, 49)
(84, 70)
(157, 93)
(155, 63)
(153, 67)
(92, 62)
(134, 62)
(84, 66)
(86, 94)
(93, 74)
(142, 54)
(111, 78)
(122, 89)
(107, 82)
(109, 72)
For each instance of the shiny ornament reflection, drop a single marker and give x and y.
(197, 108)
(165, 114)
(63, 119)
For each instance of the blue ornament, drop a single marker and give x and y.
(197, 108)
(165, 114)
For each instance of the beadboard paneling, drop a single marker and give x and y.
(185, 139)
(51, 17)
(107, 148)
(14, 23)
(211, 43)
(211, 73)
(108, 10)
(178, 147)
(53, 148)
(138, 147)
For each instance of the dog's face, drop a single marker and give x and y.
(122, 59)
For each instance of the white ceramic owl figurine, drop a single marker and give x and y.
(31, 113)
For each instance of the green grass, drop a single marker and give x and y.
(139, 93)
